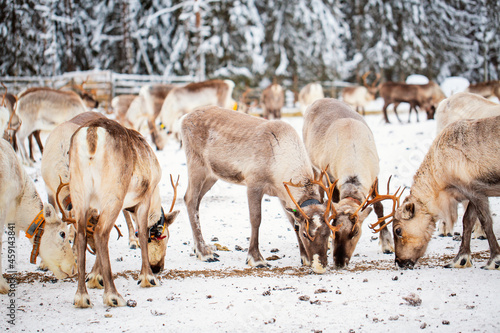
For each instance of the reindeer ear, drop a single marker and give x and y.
(170, 217)
(408, 211)
(294, 212)
(364, 213)
(49, 213)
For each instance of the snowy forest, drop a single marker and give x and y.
(248, 40)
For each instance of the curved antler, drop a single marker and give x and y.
(64, 217)
(364, 78)
(376, 197)
(4, 95)
(175, 191)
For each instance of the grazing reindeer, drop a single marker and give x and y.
(113, 168)
(359, 96)
(22, 209)
(309, 94)
(462, 106)
(55, 165)
(486, 89)
(461, 164)
(337, 138)
(272, 101)
(44, 109)
(182, 100)
(120, 105)
(263, 155)
(426, 96)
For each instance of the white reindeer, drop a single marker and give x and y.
(272, 101)
(309, 94)
(360, 96)
(337, 138)
(262, 155)
(22, 209)
(113, 168)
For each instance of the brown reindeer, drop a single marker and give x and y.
(263, 155)
(461, 164)
(426, 96)
(113, 168)
(486, 89)
(272, 101)
(337, 138)
(359, 96)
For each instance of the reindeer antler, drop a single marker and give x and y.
(329, 207)
(4, 95)
(364, 78)
(59, 188)
(376, 197)
(175, 191)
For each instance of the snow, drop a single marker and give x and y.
(371, 295)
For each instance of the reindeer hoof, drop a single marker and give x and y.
(462, 261)
(147, 281)
(95, 281)
(493, 264)
(133, 244)
(113, 300)
(82, 301)
(212, 260)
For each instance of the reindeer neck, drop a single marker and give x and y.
(425, 187)
(29, 205)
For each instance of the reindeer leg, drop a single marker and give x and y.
(146, 278)
(384, 109)
(484, 216)
(106, 222)
(94, 278)
(82, 299)
(396, 112)
(133, 241)
(385, 239)
(198, 186)
(445, 227)
(255, 258)
(462, 259)
(36, 134)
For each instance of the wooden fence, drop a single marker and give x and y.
(104, 84)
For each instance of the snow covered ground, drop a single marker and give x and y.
(371, 295)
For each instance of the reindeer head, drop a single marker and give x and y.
(55, 249)
(349, 219)
(413, 228)
(312, 224)
(158, 235)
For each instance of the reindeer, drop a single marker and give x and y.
(425, 96)
(272, 101)
(55, 166)
(359, 96)
(269, 158)
(9, 121)
(309, 94)
(88, 98)
(182, 100)
(44, 109)
(113, 168)
(120, 105)
(461, 164)
(337, 138)
(486, 89)
(462, 105)
(22, 209)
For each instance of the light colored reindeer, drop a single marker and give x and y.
(360, 96)
(22, 209)
(461, 164)
(337, 138)
(182, 100)
(43, 109)
(309, 94)
(262, 155)
(113, 168)
(462, 105)
(55, 166)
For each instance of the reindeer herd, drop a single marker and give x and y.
(95, 168)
